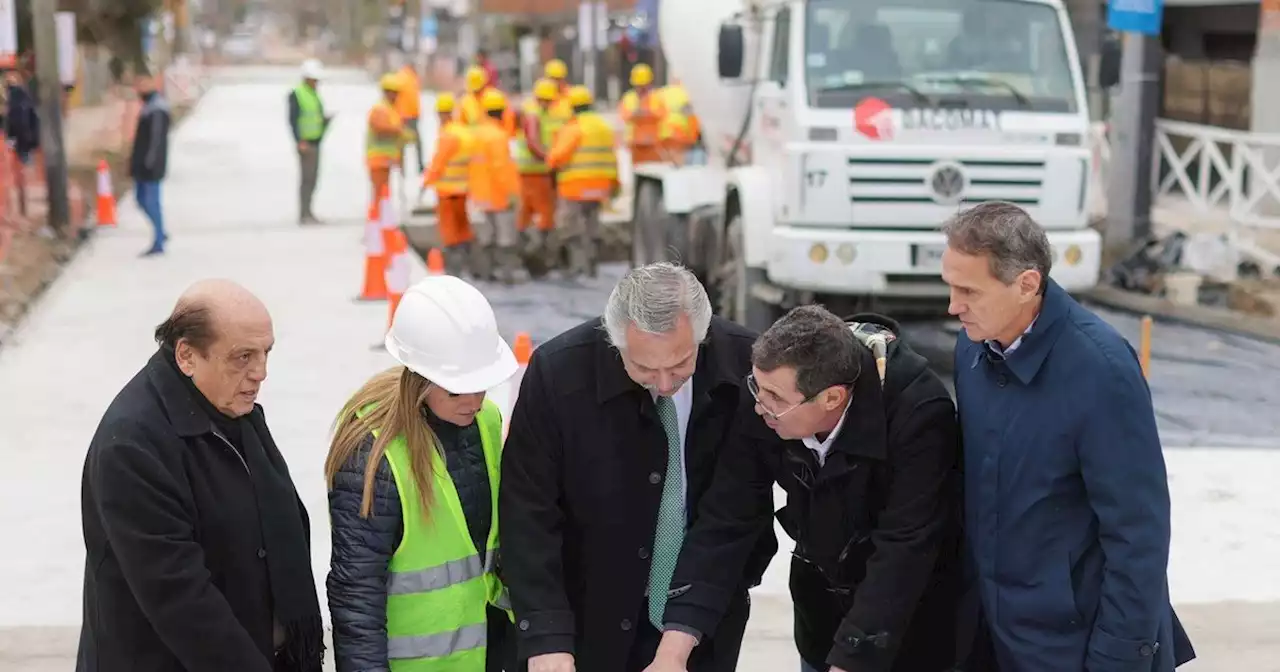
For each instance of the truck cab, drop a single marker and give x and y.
(870, 123)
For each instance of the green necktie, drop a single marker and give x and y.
(668, 536)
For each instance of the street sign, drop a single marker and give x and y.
(1136, 16)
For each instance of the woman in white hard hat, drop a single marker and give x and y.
(413, 487)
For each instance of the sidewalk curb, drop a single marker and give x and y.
(1199, 316)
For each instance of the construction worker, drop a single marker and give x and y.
(678, 130)
(556, 71)
(413, 477)
(468, 110)
(384, 139)
(641, 111)
(587, 163)
(408, 103)
(308, 122)
(494, 186)
(449, 174)
(537, 190)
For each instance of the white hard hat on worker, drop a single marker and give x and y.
(445, 331)
(312, 69)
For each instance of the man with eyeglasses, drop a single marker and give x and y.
(863, 438)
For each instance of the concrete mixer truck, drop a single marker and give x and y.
(840, 136)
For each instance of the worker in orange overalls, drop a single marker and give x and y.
(587, 163)
(468, 109)
(556, 71)
(408, 106)
(384, 138)
(450, 175)
(494, 186)
(537, 190)
(678, 130)
(641, 111)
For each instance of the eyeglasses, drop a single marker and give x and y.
(754, 388)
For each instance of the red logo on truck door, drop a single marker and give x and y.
(873, 118)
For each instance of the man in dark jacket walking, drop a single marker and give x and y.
(862, 437)
(1066, 496)
(149, 161)
(197, 548)
(612, 444)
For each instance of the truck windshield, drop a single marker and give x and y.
(988, 54)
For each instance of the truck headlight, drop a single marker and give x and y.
(818, 253)
(1073, 255)
(846, 253)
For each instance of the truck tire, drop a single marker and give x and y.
(648, 230)
(733, 281)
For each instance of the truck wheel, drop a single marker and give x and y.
(733, 280)
(648, 228)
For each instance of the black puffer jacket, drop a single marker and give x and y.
(362, 547)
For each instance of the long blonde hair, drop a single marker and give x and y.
(398, 395)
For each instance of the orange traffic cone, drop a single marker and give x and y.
(106, 198)
(523, 350)
(375, 262)
(398, 272)
(435, 262)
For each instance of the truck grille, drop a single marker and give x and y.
(945, 182)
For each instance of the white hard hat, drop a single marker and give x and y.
(444, 330)
(312, 69)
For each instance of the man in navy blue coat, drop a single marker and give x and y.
(1066, 497)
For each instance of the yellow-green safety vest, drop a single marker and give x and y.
(380, 146)
(440, 584)
(548, 124)
(595, 157)
(310, 113)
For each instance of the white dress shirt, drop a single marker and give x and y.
(821, 448)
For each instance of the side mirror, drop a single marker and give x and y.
(730, 52)
(1109, 63)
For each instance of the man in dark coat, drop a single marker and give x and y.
(149, 159)
(862, 437)
(1066, 496)
(612, 443)
(197, 551)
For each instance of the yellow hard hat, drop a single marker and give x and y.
(445, 102)
(545, 89)
(641, 75)
(493, 100)
(556, 69)
(391, 82)
(476, 78)
(579, 96)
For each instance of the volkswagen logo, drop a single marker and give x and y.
(947, 184)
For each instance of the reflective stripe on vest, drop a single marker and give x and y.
(310, 113)
(595, 157)
(384, 147)
(454, 180)
(547, 126)
(440, 585)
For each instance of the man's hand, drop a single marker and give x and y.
(552, 662)
(304, 146)
(673, 652)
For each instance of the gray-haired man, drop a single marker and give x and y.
(862, 437)
(1066, 498)
(612, 444)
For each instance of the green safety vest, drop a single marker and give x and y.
(310, 113)
(548, 125)
(440, 584)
